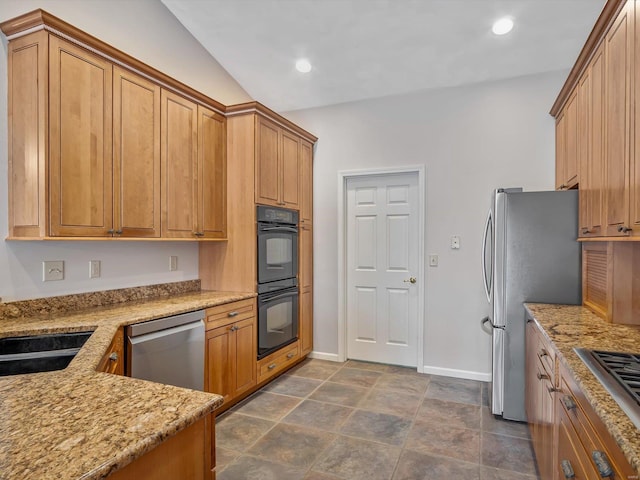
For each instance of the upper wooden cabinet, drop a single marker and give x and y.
(567, 146)
(277, 165)
(306, 182)
(85, 142)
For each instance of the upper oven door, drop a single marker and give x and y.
(277, 252)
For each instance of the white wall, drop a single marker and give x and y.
(471, 139)
(146, 30)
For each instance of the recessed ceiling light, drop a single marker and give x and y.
(303, 65)
(502, 26)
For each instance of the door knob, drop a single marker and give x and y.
(411, 280)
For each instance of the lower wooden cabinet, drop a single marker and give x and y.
(275, 363)
(113, 359)
(231, 349)
(188, 454)
(569, 439)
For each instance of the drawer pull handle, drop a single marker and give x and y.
(113, 357)
(542, 376)
(624, 229)
(291, 355)
(568, 402)
(567, 469)
(232, 314)
(552, 389)
(602, 463)
(585, 231)
(234, 328)
(272, 366)
(544, 353)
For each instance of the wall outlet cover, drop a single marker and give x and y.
(52, 270)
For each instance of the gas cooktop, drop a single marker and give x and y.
(619, 374)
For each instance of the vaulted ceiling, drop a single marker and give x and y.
(371, 48)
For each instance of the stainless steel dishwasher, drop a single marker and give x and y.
(169, 350)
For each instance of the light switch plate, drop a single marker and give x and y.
(94, 268)
(173, 263)
(455, 242)
(52, 270)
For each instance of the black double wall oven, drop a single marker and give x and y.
(277, 278)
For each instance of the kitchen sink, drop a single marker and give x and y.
(39, 353)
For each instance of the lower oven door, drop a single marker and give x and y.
(277, 320)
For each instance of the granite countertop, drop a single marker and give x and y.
(569, 326)
(78, 423)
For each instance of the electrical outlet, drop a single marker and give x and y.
(52, 270)
(173, 263)
(433, 260)
(94, 268)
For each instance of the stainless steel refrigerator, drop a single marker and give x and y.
(530, 254)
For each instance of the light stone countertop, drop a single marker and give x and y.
(78, 423)
(569, 326)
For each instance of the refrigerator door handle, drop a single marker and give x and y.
(487, 281)
(484, 322)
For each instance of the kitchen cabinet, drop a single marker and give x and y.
(231, 349)
(540, 389)
(305, 281)
(192, 157)
(277, 165)
(277, 362)
(618, 45)
(306, 182)
(187, 454)
(87, 140)
(113, 359)
(591, 147)
(567, 146)
(566, 432)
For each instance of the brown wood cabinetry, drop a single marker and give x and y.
(540, 389)
(567, 146)
(192, 157)
(277, 165)
(231, 349)
(113, 360)
(305, 280)
(306, 182)
(272, 365)
(187, 454)
(566, 432)
(85, 143)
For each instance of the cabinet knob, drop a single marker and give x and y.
(199, 234)
(111, 231)
(119, 232)
(585, 231)
(234, 328)
(567, 469)
(602, 463)
(272, 366)
(624, 229)
(544, 353)
(542, 376)
(568, 402)
(291, 355)
(113, 357)
(562, 187)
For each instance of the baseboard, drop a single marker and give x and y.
(332, 357)
(451, 372)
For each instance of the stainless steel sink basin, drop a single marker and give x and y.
(39, 353)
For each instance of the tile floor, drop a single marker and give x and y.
(324, 420)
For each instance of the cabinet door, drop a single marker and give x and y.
(618, 49)
(561, 157)
(306, 256)
(80, 102)
(306, 182)
(245, 357)
(179, 120)
(290, 175)
(584, 151)
(267, 163)
(596, 167)
(212, 174)
(136, 155)
(571, 147)
(305, 333)
(220, 369)
(28, 71)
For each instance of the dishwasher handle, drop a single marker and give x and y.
(164, 323)
(166, 332)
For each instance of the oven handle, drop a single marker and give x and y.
(276, 297)
(279, 229)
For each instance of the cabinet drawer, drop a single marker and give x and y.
(278, 361)
(229, 313)
(571, 456)
(546, 356)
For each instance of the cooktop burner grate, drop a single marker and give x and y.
(624, 367)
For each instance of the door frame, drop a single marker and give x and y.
(343, 176)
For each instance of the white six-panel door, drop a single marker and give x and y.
(381, 261)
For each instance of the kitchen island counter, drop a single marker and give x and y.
(574, 326)
(79, 423)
